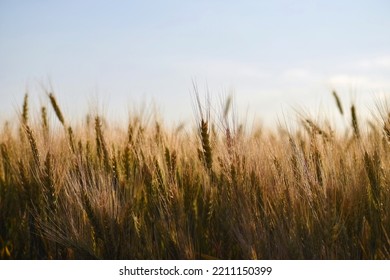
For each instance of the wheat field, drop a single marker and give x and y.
(218, 191)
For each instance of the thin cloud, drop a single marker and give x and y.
(380, 63)
(298, 74)
(223, 69)
(359, 81)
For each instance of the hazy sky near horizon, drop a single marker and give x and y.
(271, 54)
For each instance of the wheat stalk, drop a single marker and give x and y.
(49, 183)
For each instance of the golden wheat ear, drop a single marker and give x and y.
(56, 109)
(33, 144)
(205, 135)
(44, 120)
(25, 109)
(355, 125)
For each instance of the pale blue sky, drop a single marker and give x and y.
(272, 54)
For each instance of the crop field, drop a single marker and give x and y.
(94, 190)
